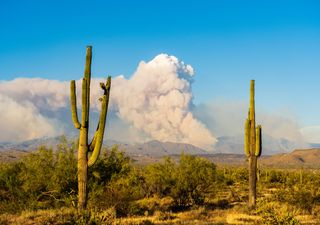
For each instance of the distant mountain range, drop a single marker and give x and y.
(228, 150)
(225, 144)
(150, 148)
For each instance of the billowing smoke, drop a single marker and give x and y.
(153, 104)
(229, 116)
(157, 101)
(311, 133)
(226, 118)
(42, 93)
(23, 121)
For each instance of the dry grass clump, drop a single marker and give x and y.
(63, 216)
(147, 206)
(239, 218)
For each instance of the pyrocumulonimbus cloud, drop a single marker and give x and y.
(155, 101)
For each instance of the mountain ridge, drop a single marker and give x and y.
(153, 151)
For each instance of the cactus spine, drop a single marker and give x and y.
(84, 159)
(252, 146)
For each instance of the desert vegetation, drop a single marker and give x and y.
(51, 186)
(41, 188)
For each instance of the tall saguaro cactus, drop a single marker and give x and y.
(252, 146)
(85, 159)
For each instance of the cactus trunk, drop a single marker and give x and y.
(82, 169)
(252, 180)
(95, 146)
(252, 146)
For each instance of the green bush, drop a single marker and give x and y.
(115, 183)
(299, 197)
(47, 179)
(11, 196)
(160, 178)
(42, 179)
(273, 213)
(187, 182)
(194, 178)
(110, 165)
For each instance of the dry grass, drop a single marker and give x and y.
(39, 217)
(200, 216)
(242, 219)
(64, 216)
(307, 219)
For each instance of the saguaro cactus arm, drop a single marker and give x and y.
(252, 119)
(106, 87)
(99, 138)
(87, 75)
(87, 69)
(247, 137)
(73, 100)
(85, 106)
(94, 139)
(102, 122)
(258, 141)
(252, 108)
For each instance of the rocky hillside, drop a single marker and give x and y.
(306, 158)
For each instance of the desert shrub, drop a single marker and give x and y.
(187, 182)
(299, 197)
(93, 217)
(194, 176)
(273, 218)
(11, 196)
(276, 177)
(159, 178)
(223, 177)
(147, 206)
(237, 175)
(274, 213)
(119, 186)
(42, 179)
(49, 178)
(110, 164)
(124, 191)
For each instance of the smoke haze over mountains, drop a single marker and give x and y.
(155, 103)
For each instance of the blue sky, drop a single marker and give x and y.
(227, 43)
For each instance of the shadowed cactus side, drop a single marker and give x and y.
(85, 159)
(252, 146)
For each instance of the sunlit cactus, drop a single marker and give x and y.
(252, 146)
(85, 159)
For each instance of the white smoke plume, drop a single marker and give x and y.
(226, 118)
(23, 121)
(155, 102)
(311, 133)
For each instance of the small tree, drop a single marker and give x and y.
(194, 177)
